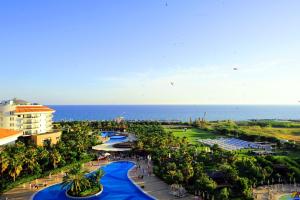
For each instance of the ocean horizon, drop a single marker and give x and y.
(175, 112)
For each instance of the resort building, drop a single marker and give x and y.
(31, 119)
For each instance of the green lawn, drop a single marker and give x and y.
(191, 133)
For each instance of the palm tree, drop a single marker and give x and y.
(43, 158)
(30, 160)
(15, 167)
(55, 158)
(96, 177)
(4, 161)
(75, 181)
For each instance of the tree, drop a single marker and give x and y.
(96, 177)
(204, 183)
(55, 158)
(75, 181)
(4, 161)
(224, 194)
(244, 186)
(30, 161)
(15, 167)
(187, 171)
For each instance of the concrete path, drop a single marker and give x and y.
(153, 185)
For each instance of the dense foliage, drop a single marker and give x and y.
(222, 174)
(22, 161)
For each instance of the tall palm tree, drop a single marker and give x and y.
(15, 167)
(4, 161)
(30, 160)
(55, 158)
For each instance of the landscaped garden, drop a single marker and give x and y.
(217, 174)
(177, 158)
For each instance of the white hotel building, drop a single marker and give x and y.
(30, 119)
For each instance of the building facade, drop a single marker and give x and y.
(32, 119)
(29, 118)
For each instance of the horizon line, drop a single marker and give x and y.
(173, 104)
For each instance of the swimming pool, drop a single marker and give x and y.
(116, 184)
(114, 139)
(107, 133)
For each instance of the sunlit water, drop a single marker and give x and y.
(182, 113)
(116, 184)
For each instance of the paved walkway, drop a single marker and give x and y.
(152, 185)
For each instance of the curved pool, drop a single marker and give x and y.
(117, 139)
(116, 184)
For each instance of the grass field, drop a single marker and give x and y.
(192, 134)
(292, 134)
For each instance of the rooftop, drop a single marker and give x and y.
(33, 108)
(15, 101)
(8, 132)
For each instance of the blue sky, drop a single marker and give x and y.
(128, 52)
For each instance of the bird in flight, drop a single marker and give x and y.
(172, 83)
(235, 68)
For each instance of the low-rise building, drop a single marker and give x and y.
(45, 139)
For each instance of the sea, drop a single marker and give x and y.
(175, 112)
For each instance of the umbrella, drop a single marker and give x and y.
(107, 154)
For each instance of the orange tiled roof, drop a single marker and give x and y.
(8, 132)
(24, 109)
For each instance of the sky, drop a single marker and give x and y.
(150, 52)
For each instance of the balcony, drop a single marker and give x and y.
(32, 121)
(28, 127)
(30, 117)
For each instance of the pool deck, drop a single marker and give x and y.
(152, 185)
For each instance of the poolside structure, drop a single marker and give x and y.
(32, 119)
(114, 144)
(232, 144)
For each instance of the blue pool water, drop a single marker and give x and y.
(107, 133)
(117, 139)
(117, 186)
